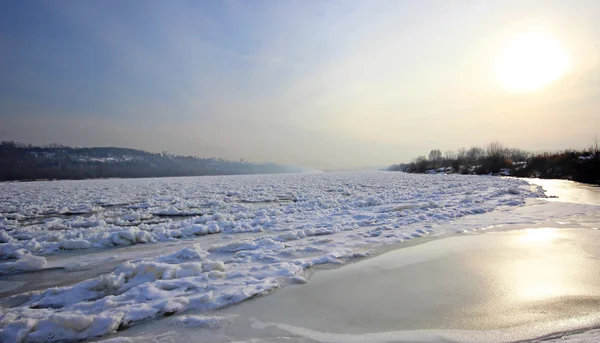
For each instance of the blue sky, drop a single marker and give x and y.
(327, 84)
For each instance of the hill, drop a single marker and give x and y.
(26, 162)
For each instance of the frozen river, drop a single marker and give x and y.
(124, 254)
(493, 287)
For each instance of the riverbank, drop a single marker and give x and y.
(495, 159)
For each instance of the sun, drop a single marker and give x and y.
(531, 61)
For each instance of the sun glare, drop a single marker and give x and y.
(539, 235)
(530, 62)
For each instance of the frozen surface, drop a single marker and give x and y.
(579, 337)
(44, 217)
(527, 285)
(132, 250)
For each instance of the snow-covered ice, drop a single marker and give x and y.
(241, 236)
(576, 337)
(24, 263)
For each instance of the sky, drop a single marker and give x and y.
(323, 84)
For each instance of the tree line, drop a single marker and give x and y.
(496, 159)
(54, 162)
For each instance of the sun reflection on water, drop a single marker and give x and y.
(545, 271)
(539, 235)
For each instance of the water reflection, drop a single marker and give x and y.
(534, 280)
(539, 235)
(547, 267)
(569, 191)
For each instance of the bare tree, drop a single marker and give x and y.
(421, 159)
(518, 155)
(595, 147)
(435, 155)
(421, 163)
(495, 150)
(496, 156)
(461, 154)
(475, 154)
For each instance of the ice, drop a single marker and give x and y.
(191, 253)
(5, 237)
(142, 289)
(267, 243)
(210, 322)
(73, 244)
(15, 330)
(117, 340)
(302, 221)
(24, 263)
(577, 337)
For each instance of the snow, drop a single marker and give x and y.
(24, 263)
(302, 221)
(210, 322)
(73, 244)
(578, 337)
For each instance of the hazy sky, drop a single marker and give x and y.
(326, 84)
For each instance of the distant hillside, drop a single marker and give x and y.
(27, 162)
